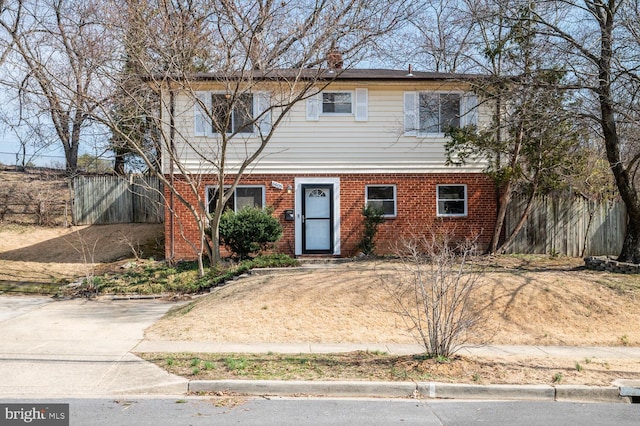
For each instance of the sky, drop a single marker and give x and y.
(44, 158)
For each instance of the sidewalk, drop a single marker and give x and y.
(577, 352)
(622, 391)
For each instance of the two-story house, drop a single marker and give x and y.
(371, 136)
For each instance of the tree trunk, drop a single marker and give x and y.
(503, 201)
(71, 156)
(118, 165)
(631, 246)
(215, 240)
(505, 196)
(523, 218)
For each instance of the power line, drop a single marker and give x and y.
(33, 155)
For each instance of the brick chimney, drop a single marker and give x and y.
(334, 59)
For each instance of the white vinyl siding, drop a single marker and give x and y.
(333, 144)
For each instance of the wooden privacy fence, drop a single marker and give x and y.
(568, 225)
(114, 199)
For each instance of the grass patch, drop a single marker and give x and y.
(232, 364)
(363, 365)
(153, 277)
(557, 378)
(360, 365)
(367, 366)
(623, 284)
(35, 288)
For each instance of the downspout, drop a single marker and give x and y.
(172, 147)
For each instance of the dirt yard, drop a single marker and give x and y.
(32, 255)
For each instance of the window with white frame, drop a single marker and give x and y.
(337, 103)
(217, 112)
(382, 197)
(451, 200)
(331, 103)
(243, 196)
(233, 117)
(438, 112)
(435, 112)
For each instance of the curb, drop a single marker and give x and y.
(307, 388)
(466, 391)
(590, 393)
(427, 390)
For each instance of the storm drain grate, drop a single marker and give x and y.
(632, 392)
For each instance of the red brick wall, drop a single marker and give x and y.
(416, 210)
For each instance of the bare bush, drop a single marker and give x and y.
(433, 291)
(88, 287)
(134, 245)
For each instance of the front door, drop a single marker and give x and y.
(317, 219)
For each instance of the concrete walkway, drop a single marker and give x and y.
(78, 348)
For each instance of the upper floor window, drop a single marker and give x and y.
(236, 118)
(382, 197)
(354, 103)
(451, 200)
(438, 112)
(243, 196)
(432, 113)
(337, 103)
(217, 112)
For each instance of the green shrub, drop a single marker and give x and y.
(373, 217)
(274, 260)
(249, 231)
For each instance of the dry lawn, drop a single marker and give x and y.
(529, 301)
(36, 197)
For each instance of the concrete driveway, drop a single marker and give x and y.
(78, 348)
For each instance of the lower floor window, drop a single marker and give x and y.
(452, 200)
(382, 197)
(243, 196)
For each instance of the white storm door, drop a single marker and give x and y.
(317, 219)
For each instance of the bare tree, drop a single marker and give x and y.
(56, 48)
(439, 38)
(264, 57)
(599, 40)
(534, 140)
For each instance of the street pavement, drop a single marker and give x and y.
(84, 348)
